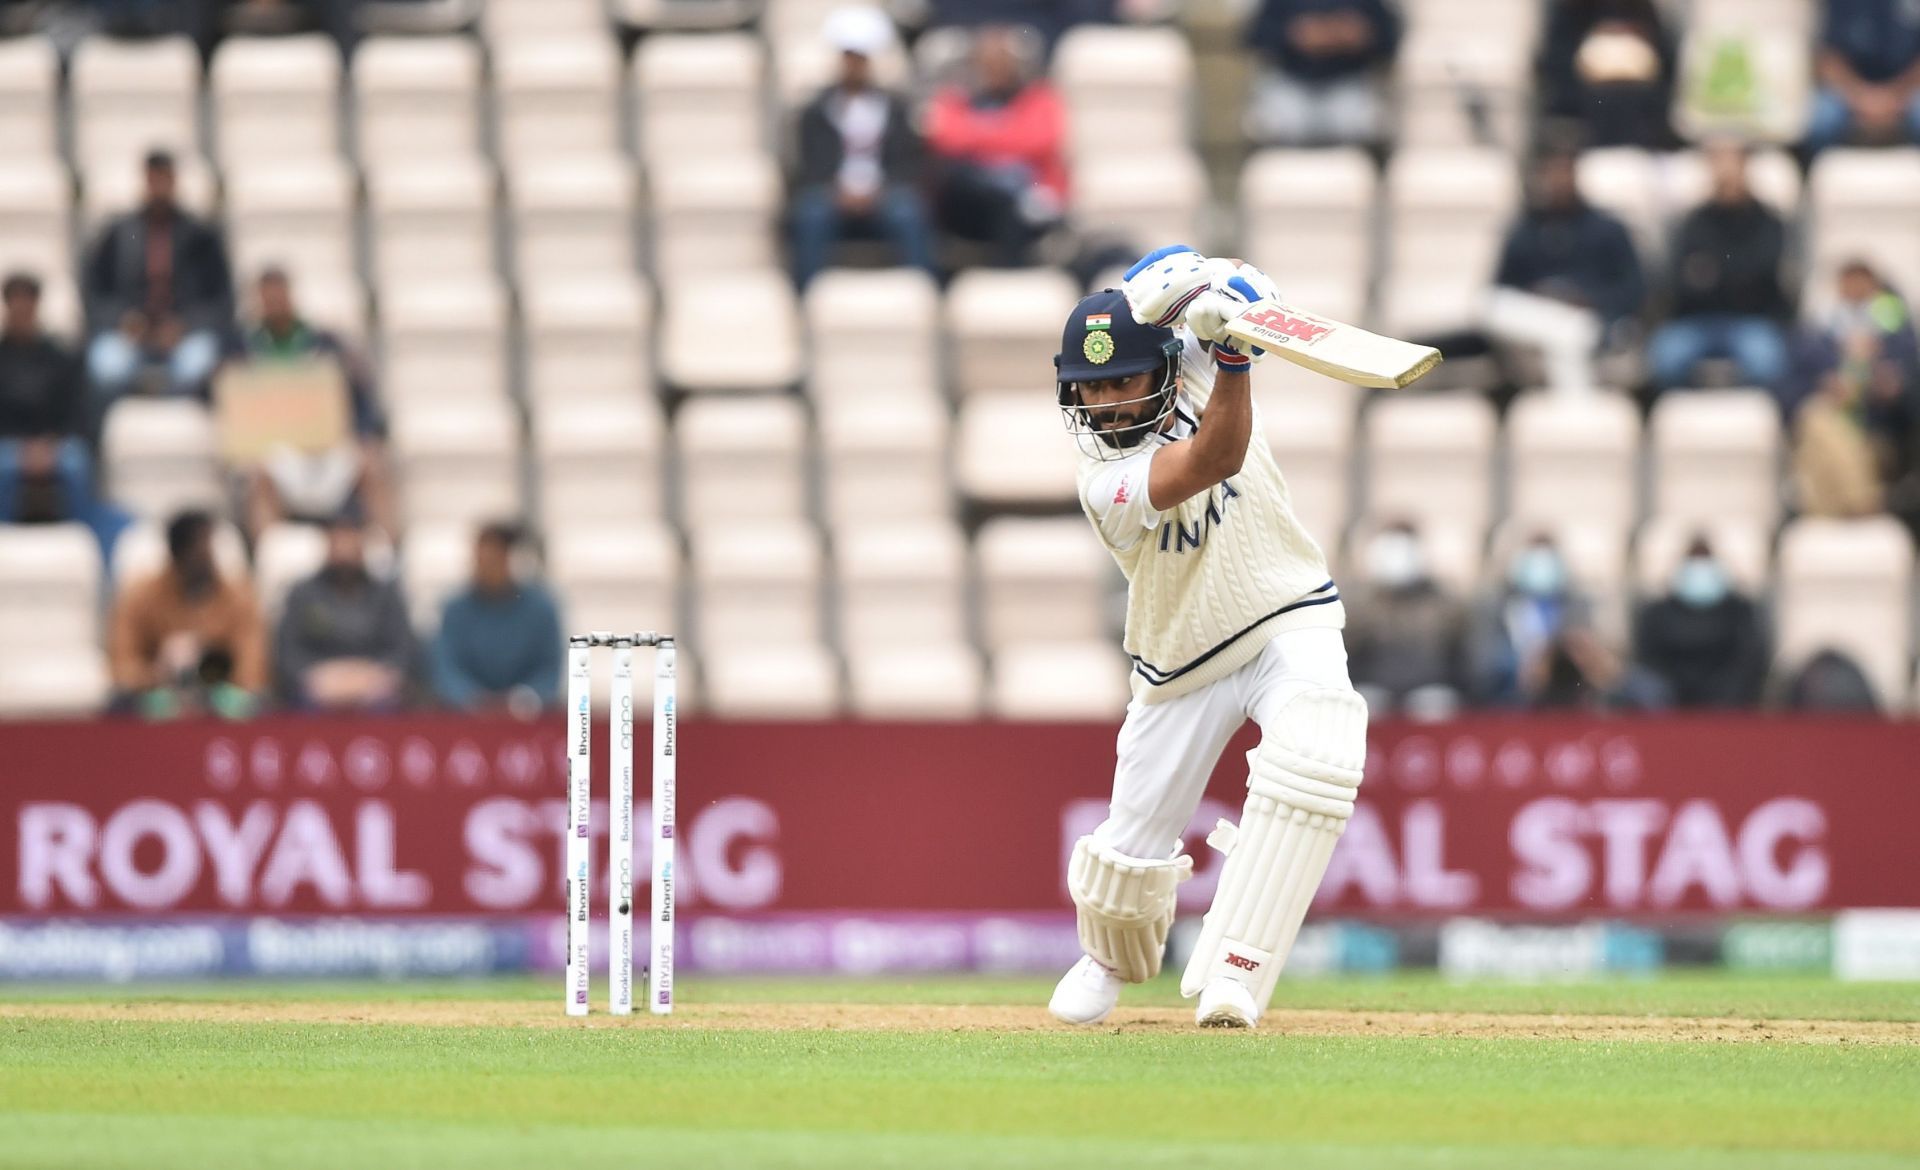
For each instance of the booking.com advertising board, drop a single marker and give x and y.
(433, 845)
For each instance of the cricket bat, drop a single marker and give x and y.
(1333, 348)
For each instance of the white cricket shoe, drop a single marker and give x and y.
(1226, 1003)
(1086, 994)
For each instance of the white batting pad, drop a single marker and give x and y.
(1300, 792)
(1125, 906)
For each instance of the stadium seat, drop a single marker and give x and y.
(1430, 461)
(712, 214)
(418, 98)
(1308, 215)
(36, 216)
(1004, 327)
(1311, 435)
(742, 459)
(1865, 204)
(1742, 545)
(70, 684)
(1012, 449)
(600, 461)
(285, 555)
(676, 15)
(444, 342)
(700, 93)
(773, 682)
(1652, 192)
(1140, 198)
(338, 304)
(296, 214)
(1063, 681)
(1460, 83)
(276, 98)
(572, 215)
(616, 576)
(1596, 558)
(900, 584)
(556, 96)
(915, 682)
(1128, 91)
(737, 332)
(130, 96)
(50, 601)
(459, 460)
(504, 21)
(60, 311)
(1447, 213)
(757, 584)
(1042, 580)
(1847, 585)
(872, 334)
(885, 460)
(29, 98)
(436, 561)
(1574, 459)
(588, 339)
(141, 550)
(431, 220)
(1716, 456)
(158, 456)
(1771, 173)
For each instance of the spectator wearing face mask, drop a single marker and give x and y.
(1405, 634)
(1704, 638)
(1515, 631)
(188, 638)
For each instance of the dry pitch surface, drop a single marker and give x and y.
(1413, 1074)
(999, 1018)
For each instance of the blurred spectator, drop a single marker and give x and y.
(998, 139)
(312, 484)
(1514, 633)
(1533, 645)
(1608, 66)
(1404, 633)
(46, 473)
(1704, 638)
(158, 294)
(1831, 682)
(499, 641)
(188, 639)
(861, 162)
(1855, 432)
(1568, 280)
(1325, 72)
(1869, 74)
(1728, 301)
(344, 642)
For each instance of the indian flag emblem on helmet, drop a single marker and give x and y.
(1098, 347)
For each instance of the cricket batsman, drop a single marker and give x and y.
(1231, 614)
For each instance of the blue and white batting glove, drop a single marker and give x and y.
(1232, 293)
(1161, 284)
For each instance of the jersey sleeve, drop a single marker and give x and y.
(1115, 496)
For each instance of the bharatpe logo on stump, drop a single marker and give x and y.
(583, 727)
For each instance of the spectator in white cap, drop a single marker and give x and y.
(861, 163)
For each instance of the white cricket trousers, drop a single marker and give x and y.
(1167, 750)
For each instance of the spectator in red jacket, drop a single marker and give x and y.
(999, 141)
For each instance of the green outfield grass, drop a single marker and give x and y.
(89, 1087)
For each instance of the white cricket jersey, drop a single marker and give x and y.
(1213, 579)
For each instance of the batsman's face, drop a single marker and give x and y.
(1115, 403)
